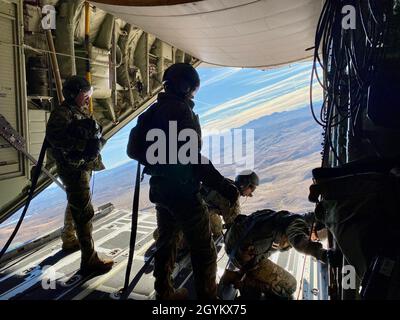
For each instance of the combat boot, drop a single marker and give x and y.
(96, 265)
(178, 294)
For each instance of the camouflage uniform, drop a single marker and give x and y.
(175, 189)
(75, 173)
(219, 206)
(68, 233)
(172, 219)
(268, 231)
(265, 277)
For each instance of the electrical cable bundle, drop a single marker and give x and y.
(349, 60)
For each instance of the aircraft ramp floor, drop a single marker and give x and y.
(47, 273)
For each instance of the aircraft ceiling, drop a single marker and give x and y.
(239, 33)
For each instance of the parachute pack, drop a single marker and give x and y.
(137, 144)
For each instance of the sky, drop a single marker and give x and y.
(232, 97)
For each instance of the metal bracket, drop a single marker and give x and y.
(18, 142)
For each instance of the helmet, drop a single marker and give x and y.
(181, 79)
(73, 86)
(246, 179)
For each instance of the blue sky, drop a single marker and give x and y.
(232, 97)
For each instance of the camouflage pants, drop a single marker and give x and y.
(215, 224)
(193, 220)
(180, 240)
(267, 277)
(79, 211)
(68, 233)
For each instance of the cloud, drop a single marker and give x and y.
(271, 76)
(267, 92)
(287, 102)
(226, 73)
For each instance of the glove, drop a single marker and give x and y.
(314, 249)
(92, 150)
(322, 256)
(229, 191)
(334, 258)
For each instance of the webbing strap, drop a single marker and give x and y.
(35, 178)
(135, 214)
